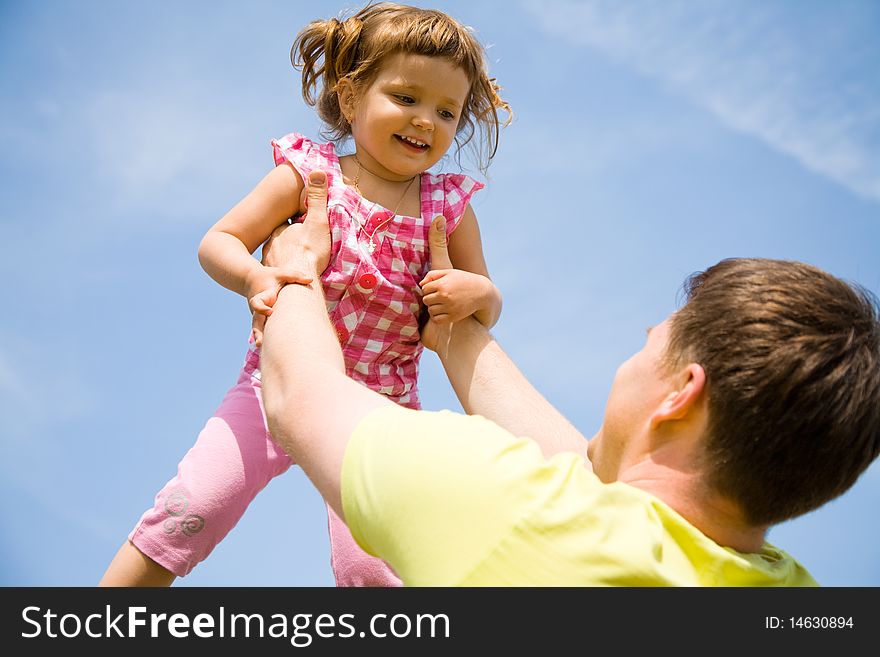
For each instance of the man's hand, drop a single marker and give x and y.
(432, 334)
(302, 250)
(304, 246)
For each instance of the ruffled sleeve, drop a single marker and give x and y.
(457, 192)
(305, 155)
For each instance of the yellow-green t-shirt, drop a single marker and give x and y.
(454, 500)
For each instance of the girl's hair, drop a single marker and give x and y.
(355, 48)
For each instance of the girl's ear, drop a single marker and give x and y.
(347, 96)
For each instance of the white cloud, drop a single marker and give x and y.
(761, 70)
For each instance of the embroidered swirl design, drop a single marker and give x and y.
(192, 524)
(176, 504)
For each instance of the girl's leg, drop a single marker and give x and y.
(351, 565)
(233, 459)
(131, 567)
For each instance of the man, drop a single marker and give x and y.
(757, 401)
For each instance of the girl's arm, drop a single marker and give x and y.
(453, 294)
(225, 251)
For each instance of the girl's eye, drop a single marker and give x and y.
(409, 100)
(446, 114)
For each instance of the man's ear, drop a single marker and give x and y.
(346, 93)
(688, 393)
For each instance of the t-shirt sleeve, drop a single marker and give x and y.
(433, 493)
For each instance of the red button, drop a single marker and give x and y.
(342, 334)
(367, 281)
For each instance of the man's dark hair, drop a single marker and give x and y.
(792, 362)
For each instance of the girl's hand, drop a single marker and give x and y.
(265, 284)
(268, 282)
(453, 294)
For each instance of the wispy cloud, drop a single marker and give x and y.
(143, 141)
(16, 401)
(806, 91)
(37, 389)
(160, 147)
(39, 397)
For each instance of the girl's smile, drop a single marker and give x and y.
(414, 143)
(407, 118)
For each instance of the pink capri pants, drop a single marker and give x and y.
(233, 459)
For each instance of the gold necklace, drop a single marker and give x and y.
(357, 176)
(372, 245)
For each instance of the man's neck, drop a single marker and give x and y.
(683, 491)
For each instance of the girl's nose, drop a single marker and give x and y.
(423, 123)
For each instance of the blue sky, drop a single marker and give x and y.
(651, 139)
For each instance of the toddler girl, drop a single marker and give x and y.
(403, 83)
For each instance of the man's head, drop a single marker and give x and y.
(791, 357)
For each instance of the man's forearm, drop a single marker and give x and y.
(488, 383)
(301, 334)
(311, 405)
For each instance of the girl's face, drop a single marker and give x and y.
(406, 119)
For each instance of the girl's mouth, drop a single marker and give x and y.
(413, 143)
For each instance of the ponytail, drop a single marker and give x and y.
(327, 51)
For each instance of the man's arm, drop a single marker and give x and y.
(311, 405)
(488, 383)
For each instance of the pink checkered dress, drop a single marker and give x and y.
(374, 298)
